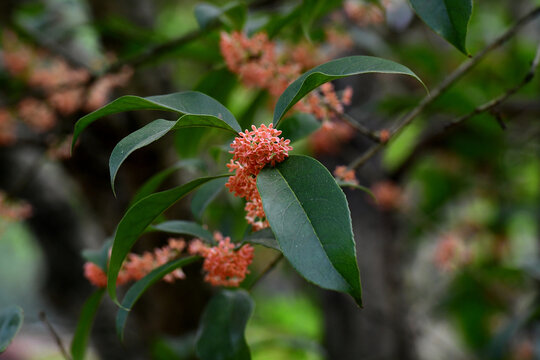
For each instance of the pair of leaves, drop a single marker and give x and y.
(448, 18)
(196, 110)
(11, 319)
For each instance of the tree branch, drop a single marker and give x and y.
(456, 75)
(55, 335)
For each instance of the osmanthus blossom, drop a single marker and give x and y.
(345, 174)
(224, 264)
(252, 151)
(264, 64)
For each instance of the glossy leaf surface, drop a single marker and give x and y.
(84, 325)
(448, 18)
(335, 69)
(137, 218)
(182, 103)
(137, 289)
(221, 332)
(310, 218)
(205, 195)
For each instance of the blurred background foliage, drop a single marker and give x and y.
(449, 254)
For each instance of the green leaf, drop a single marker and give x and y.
(448, 18)
(84, 325)
(182, 227)
(264, 237)
(205, 195)
(11, 319)
(335, 69)
(310, 9)
(298, 126)
(137, 289)
(233, 15)
(222, 327)
(310, 218)
(183, 103)
(137, 218)
(154, 131)
(99, 257)
(155, 181)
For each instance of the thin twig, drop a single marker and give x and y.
(456, 75)
(361, 128)
(490, 105)
(268, 268)
(54, 334)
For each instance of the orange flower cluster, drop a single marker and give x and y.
(389, 195)
(362, 13)
(138, 266)
(64, 87)
(252, 151)
(224, 265)
(257, 62)
(451, 252)
(14, 211)
(345, 174)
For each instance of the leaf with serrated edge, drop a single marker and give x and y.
(335, 69)
(311, 221)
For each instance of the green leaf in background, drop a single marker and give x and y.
(264, 237)
(182, 227)
(137, 289)
(298, 126)
(154, 131)
(205, 195)
(335, 69)
(311, 221)
(155, 181)
(99, 257)
(222, 327)
(310, 9)
(183, 103)
(11, 319)
(84, 325)
(137, 218)
(448, 18)
(233, 15)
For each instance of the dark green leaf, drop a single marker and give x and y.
(154, 131)
(335, 69)
(11, 319)
(263, 237)
(184, 103)
(298, 126)
(137, 218)
(310, 9)
(182, 227)
(155, 181)
(310, 218)
(221, 332)
(448, 18)
(99, 257)
(84, 325)
(137, 289)
(205, 195)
